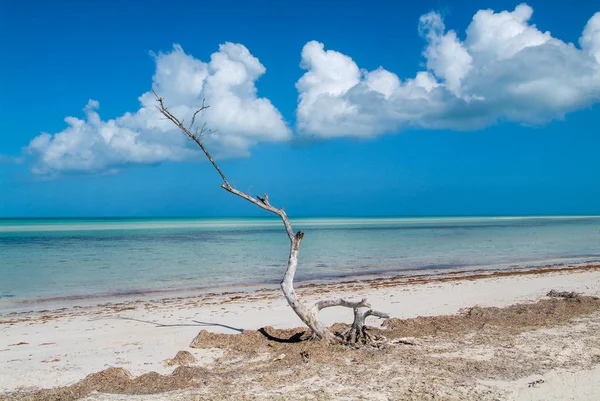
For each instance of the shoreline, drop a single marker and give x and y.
(53, 304)
(388, 278)
(47, 349)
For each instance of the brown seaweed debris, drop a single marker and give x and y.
(563, 294)
(442, 352)
(513, 319)
(120, 381)
(183, 358)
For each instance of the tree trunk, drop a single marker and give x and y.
(309, 316)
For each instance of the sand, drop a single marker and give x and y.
(60, 348)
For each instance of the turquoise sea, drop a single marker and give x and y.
(46, 260)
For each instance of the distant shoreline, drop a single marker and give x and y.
(388, 279)
(95, 224)
(103, 218)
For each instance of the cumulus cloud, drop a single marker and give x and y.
(504, 69)
(241, 118)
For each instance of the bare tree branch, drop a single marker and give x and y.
(165, 112)
(357, 332)
(375, 313)
(202, 108)
(342, 302)
(266, 206)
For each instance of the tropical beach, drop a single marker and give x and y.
(73, 340)
(487, 353)
(299, 201)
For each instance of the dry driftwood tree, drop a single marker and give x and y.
(308, 314)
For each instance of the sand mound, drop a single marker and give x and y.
(183, 358)
(120, 381)
(513, 319)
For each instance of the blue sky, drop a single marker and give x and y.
(489, 113)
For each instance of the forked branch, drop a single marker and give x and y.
(197, 137)
(308, 315)
(202, 108)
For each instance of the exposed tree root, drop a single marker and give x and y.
(357, 333)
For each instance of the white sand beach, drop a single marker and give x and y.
(58, 348)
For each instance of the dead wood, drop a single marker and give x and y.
(308, 315)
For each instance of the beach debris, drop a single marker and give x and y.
(535, 383)
(404, 341)
(204, 338)
(477, 311)
(279, 357)
(247, 358)
(183, 358)
(50, 360)
(118, 308)
(562, 294)
(19, 343)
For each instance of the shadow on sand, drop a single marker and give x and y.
(196, 323)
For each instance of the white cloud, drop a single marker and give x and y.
(228, 82)
(505, 69)
(590, 40)
(446, 56)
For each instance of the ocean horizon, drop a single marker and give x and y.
(52, 259)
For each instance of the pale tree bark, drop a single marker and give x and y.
(309, 315)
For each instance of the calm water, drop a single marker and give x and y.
(41, 259)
